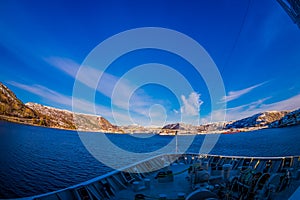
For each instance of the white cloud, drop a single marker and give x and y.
(246, 110)
(287, 104)
(232, 95)
(45, 93)
(88, 75)
(191, 105)
(255, 107)
(120, 91)
(175, 111)
(66, 65)
(81, 105)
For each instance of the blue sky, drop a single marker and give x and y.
(254, 44)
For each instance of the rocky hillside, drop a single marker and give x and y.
(12, 109)
(290, 119)
(216, 126)
(95, 123)
(173, 127)
(181, 128)
(192, 129)
(258, 120)
(54, 118)
(268, 119)
(57, 118)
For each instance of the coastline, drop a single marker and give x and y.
(16, 120)
(57, 128)
(97, 124)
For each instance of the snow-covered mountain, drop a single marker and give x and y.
(14, 110)
(258, 120)
(268, 119)
(290, 119)
(57, 118)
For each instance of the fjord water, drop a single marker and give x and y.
(35, 160)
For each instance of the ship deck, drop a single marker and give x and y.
(180, 185)
(176, 176)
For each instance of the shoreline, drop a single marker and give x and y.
(155, 131)
(57, 128)
(183, 133)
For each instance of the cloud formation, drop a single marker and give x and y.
(66, 65)
(191, 104)
(232, 95)
(119, 90)
(65, 100)
(45, 93)
(247, 110)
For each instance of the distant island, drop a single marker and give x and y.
(14, 110)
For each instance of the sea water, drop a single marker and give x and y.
(36, 160)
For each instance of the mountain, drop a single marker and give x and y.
(134, 128)
(14, 110)
(258, 120)
(215, 126)
(268, 119)
(181, 128)
(173, 127)
(290, 119)
(57, 118)
(54, 118)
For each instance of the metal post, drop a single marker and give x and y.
(176, 148)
